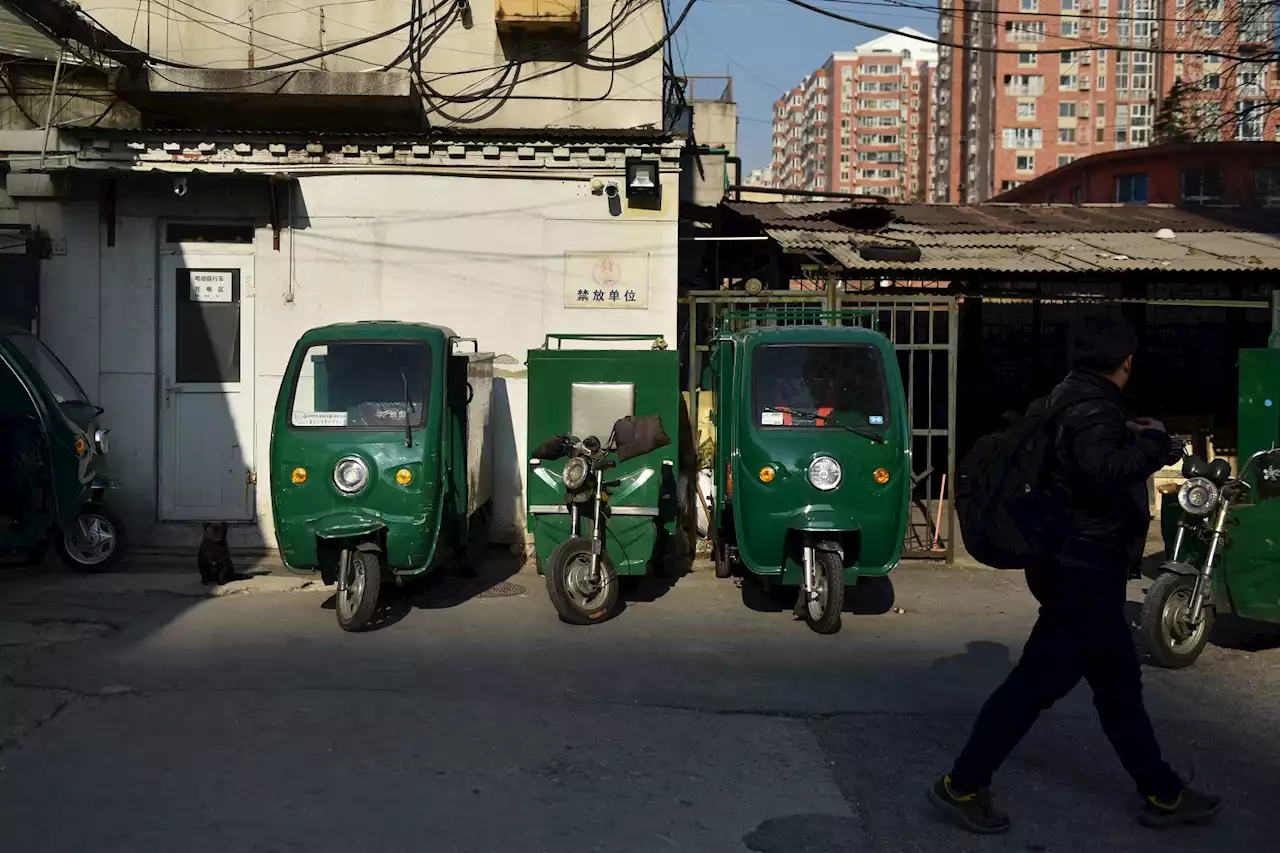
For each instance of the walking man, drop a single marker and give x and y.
(1101, 461)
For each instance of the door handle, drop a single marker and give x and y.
(168, 393)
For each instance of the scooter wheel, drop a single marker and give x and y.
(823, 613)
(1163, 635)
(94, 544)
(724, 565)
(357, 603)
(568, 583)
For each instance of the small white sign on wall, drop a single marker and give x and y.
(212, 285)
(606, 280)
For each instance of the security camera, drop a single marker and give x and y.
(611, 189)
(179, 187)
(597, 186)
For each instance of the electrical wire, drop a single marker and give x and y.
(882, 28)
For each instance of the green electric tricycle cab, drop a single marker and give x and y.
(379, 455)
(811, 454)
(1222, 532)
(51, 478)
(602, 500)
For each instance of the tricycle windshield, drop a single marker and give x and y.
(808, 386)
(62, 384)
(369, 385)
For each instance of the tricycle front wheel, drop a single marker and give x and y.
(359, 583)
(575, 597)
(822, 610)
(92, 542)
(1169, 638)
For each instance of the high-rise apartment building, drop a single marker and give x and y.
(860, 123)
(1079, 77)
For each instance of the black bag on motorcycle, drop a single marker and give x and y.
(634, 436)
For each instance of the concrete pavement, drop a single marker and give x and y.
(700, 719)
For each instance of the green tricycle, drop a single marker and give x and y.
(379, 454)
(1222, 532)
(51, 478)
(610, 509)
(812, 440)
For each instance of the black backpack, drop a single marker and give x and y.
(1008, 518)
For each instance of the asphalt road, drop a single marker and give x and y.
(138, 716)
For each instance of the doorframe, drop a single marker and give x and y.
(165, 249)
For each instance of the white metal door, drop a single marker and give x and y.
(207, 385)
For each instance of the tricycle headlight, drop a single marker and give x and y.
(1198, 496)
(350, 475)
(575, 475)
(824, 473)
(100, 438)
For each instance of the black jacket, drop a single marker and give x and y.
(1100, 469)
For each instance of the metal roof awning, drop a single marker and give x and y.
(1015, 240)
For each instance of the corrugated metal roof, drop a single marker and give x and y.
(19, 38)
(1004, 218)
(1049, 253)
(533, 136)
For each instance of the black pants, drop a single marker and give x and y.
(1081, 633)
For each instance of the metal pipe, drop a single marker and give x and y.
(723, 239)
(736, 161)
(1204, 583)
(48, 114)
(739, 188)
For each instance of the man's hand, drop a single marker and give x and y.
(1144, 424)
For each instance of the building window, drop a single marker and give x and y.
(1067, 135)
(1070, 5)
(1070, 28)
(1027, 59)
(847, 72)
(1067, 57)
(1005, 186)
(1024, 84)
(1101, 135)
(1025, 163)
(1023, 137)
(1026, 110)
(1266, 187)
(1249, 120)
(1131, 188)
(1067, 82)
(1066, 109)
(1065, 159)
(1029, 5)
(1201, 186)
(845, 124)
(1024, 31)
(844, 176)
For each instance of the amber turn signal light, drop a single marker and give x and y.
(299, 475)
(881, 476)
(81, 446)
(767, 473)
(404, 476)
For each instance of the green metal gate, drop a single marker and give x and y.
(924, 329)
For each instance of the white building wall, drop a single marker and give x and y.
(554, 88)
(485, 256)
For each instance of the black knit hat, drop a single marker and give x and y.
(1101, 342)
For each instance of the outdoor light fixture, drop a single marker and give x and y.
(643, 181)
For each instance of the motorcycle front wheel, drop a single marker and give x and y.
(1166, 634)
(569, 586)
(359, 585)
(822, 612)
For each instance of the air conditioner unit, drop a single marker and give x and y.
(1086, 25)
(1087, 59)
(1085, 85)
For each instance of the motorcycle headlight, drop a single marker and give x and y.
(350, 475)
(100, 438)
(824, 473)
(575, 474)
(1198, 496)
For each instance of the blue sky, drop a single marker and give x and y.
(768, 45)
